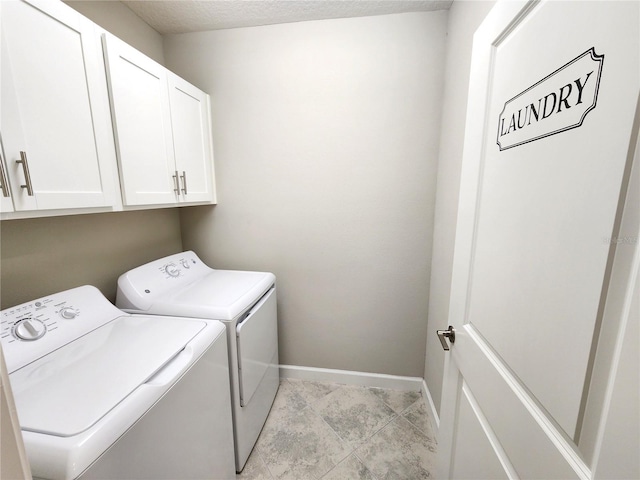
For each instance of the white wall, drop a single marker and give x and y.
(464, 19)
(326, 139)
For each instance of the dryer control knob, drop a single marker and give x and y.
(68, 313)
(172, 270)
(29, 329)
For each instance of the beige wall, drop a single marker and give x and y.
(464, 19)
(326, 138)
(44, 255)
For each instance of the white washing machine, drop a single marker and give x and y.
(182, 285)
(104, 394)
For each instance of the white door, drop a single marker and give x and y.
(191, 139)
(55, 127)
(142, 124)
(550, 126)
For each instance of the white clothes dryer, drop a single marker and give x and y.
(104, 394)
(182, 285)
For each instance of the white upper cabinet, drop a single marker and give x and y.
(56, 134)
(142, 126)
(57, 153)
(162, 131)
(191, 139)
(6, 205)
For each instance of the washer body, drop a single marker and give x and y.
(183, 286)
(104, 394)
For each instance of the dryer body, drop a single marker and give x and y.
(245, 302)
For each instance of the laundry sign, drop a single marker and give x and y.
(557, 103)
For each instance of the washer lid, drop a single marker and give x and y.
(69, 390)
(220, 295)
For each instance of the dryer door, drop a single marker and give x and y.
(257, 345)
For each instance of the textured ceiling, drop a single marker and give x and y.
(180, 16)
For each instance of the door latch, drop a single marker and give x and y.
(449, 333)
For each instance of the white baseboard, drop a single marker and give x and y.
(426, 394)
(362, 379)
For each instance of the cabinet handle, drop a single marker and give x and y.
(27, 175)
(4, 183)
(183, 177)
(176, 185)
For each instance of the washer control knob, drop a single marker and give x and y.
(68, 313)
(185, 263)
(29, 329)
(172, 270)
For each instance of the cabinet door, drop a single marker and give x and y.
(54, 108)
(142, 123)
(6, 204)
(191, 140)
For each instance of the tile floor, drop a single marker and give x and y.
(331, 431)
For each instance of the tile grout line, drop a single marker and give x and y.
(355, 454)
(434, 442)
(345, 459)
(309, 400)
(256, 451)
(370, 436)
(340, 439)
(352, 449)
(395, 417)
(355, 449)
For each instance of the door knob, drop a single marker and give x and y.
(449, 333)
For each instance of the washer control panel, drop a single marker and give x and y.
(34, 329)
